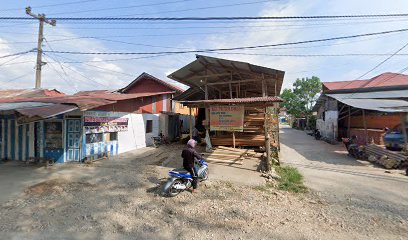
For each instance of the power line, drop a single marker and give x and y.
(124, 7)
(195, 9)
(385, 60)
(16, 54)
(62, 77)
(320, 17)
(50, 5)
(234, 48)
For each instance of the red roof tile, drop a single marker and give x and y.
(383, 80)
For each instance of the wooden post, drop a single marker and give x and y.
(191, 123)
(206, 91)
(230, 90)
(268, 152)
(349, 119)
(404, 117)
(365, 127)
(233, 138)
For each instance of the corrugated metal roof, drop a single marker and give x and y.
(22, 105)
(84, 102)
(237, 100)
(375, 95)
(387, 79)
(17, 93)
(195, 72)
(148, 76)
(47, 111)
(382, 105)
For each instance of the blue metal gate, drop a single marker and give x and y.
(73, 145)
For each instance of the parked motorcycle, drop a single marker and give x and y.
(316, 134)
(180, 179)
(352, 147)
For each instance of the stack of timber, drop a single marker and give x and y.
(241, 139)
(230, 155)
(388, 159)
(252, 136)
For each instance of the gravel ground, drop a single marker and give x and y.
(121, 199)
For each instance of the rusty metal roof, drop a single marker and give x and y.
(218, 70)
(235, 101)
(145, 75)
(47, 111)
(83, 102)
(17, 93)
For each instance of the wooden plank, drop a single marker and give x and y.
(215, 160)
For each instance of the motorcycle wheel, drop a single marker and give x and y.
(205, 176)
(172, 192)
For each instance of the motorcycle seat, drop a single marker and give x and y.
(180, 170)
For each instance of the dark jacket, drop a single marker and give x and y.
(188, 156)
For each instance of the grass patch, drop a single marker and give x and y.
(291, 180)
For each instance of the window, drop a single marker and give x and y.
(113, 136)
(94, 137)
(149, 126)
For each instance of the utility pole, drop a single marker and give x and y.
(42, 19)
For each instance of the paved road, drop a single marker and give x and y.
(339, 178)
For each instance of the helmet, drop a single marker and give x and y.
(192, 143)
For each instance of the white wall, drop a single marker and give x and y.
(136, 136)
(328, 127)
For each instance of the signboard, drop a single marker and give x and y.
(227, 118)
(100, 122)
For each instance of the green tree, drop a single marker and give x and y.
(292, 103)
(300, 100)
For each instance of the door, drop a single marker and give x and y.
(73, 145)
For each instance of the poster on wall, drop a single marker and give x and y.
(101, 122)
(227, 118)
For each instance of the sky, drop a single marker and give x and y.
(71, 73)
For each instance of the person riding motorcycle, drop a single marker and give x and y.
(189, 154)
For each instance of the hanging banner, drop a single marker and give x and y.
(227, 118)
(100, 122)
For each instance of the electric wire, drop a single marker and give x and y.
(49, 5)
(18, 53)
(384, 61)
(123, 7)
(233, 48)
(319, 17)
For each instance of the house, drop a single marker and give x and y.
(47, 124)
(363, 108)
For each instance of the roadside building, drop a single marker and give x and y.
(235, 100)
(363, 108)
(47, 124)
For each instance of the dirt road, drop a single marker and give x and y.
(120, 198)
(343, 180)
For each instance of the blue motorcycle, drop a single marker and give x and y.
(180, 179)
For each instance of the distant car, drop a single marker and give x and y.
(394, 139)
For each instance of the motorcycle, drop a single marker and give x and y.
(352, 147)
(180, 179)
(316, 134)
